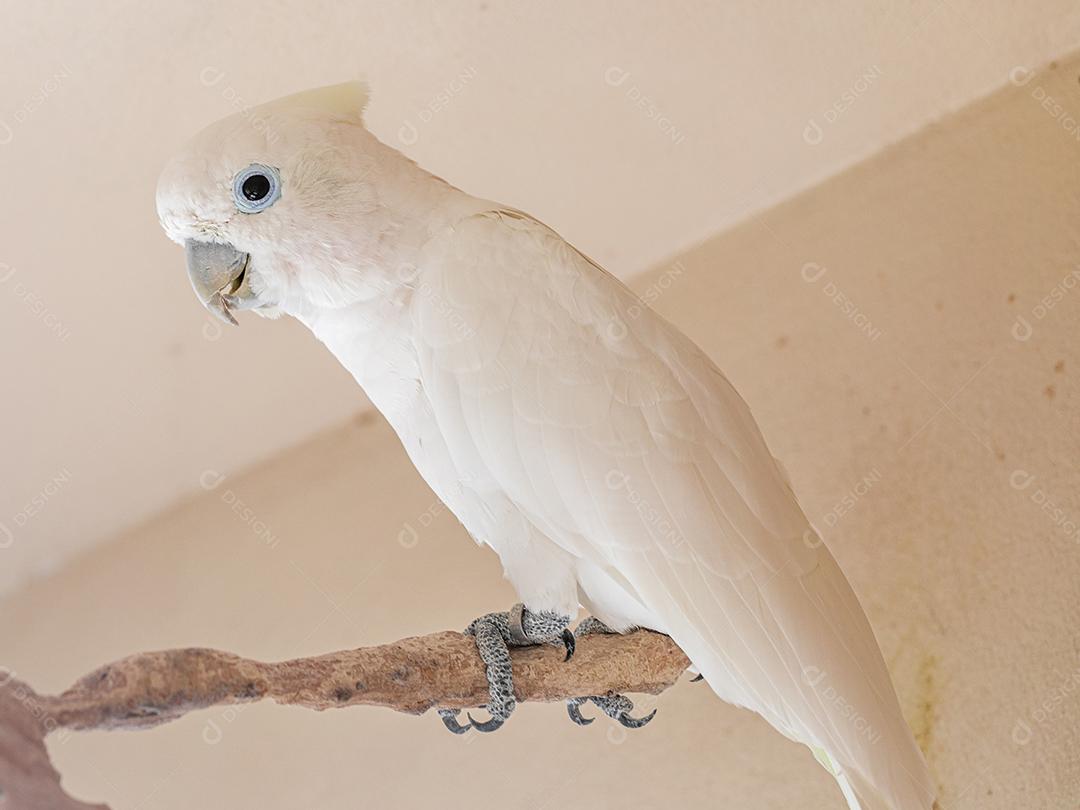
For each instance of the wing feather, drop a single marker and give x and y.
(624, 445)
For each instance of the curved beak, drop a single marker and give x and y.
(218, 274)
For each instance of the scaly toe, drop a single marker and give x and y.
(486, 726)
(636, 722)
(618, 707)
(449, 718)
(573, 709)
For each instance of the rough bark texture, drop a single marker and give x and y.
(411, 675)
(28, 781)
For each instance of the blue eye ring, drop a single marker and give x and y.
(256, 188)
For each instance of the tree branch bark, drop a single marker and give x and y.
(412, 675)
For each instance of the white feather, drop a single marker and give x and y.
(608, 462)
(591, 444)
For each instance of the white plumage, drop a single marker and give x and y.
(589, 442)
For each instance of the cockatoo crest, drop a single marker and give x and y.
(346, 101)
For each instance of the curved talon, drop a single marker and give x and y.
(488, 725)
(698, 677)
(635, 722)
(449, 718)
(569, 642)
(573, 709)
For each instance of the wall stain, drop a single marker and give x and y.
(925, 708)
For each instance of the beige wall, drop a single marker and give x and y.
(635, 128)
(954, 433)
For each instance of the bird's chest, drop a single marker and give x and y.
(453, 470)
(375, 345)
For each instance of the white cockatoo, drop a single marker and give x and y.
(591, 444)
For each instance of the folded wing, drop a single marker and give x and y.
(623, 443)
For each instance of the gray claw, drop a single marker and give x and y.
(696, 678)
(449, 718)
(488, 725)
(636, 722)
(573, 709)
(570, 642)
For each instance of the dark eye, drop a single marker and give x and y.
(256, 188)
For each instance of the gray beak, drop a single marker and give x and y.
(219, 276)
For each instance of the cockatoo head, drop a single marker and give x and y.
(277, 206)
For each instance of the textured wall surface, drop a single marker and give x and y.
(906, 334)
(636, 129)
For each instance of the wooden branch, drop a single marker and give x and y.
(411, 675)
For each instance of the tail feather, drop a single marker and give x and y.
(862, 795)
(806, 659)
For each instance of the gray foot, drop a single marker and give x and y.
(617, 707)
(495, 633)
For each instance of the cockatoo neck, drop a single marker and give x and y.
(371, 256)
(370, 334)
